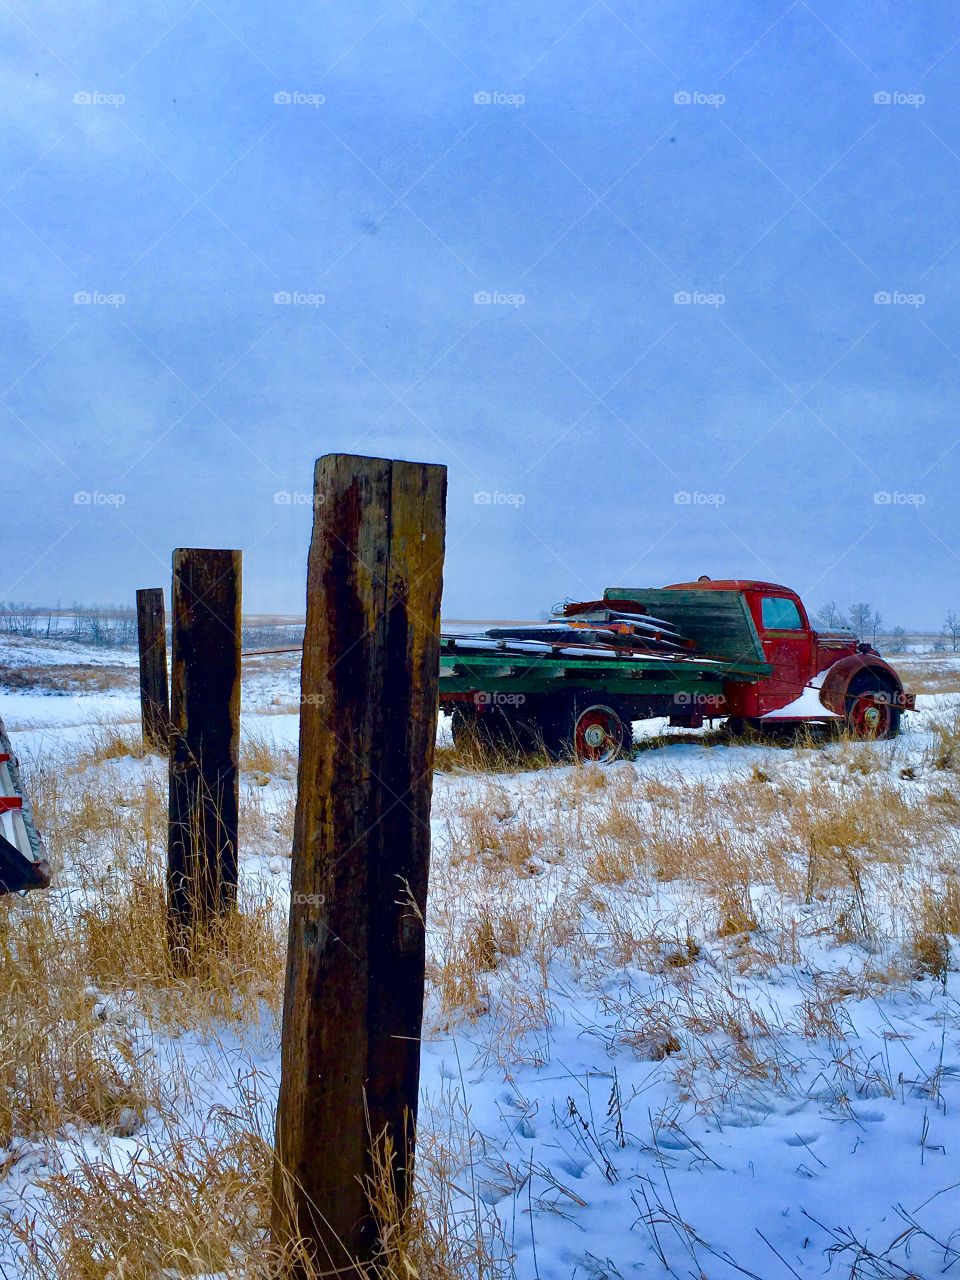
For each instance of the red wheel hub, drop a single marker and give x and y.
(870, 716)
(598, 735)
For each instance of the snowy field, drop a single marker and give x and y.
(691, 1015)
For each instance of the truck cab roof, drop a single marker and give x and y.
(752, 592)
(731, 584)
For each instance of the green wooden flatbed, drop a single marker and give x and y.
(508, 672)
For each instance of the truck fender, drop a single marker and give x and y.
(835, 681)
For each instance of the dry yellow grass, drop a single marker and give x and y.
(85, 974)
(475, 757)
(191, 1204)
(622, 870)
(68, 678)
(260, 755)
(936, 673)
(110, 741)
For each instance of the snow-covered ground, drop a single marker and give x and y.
(664, 1035)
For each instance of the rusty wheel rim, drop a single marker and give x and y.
(598, 735)
(870, 717)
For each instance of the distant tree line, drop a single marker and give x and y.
(108, 627)
(866, 623)
(271, 635)
(101, 626)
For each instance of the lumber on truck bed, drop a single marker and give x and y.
(616, 634)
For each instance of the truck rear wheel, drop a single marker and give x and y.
(870, 708)
(492, 730)
(591, 730)
(472, 731)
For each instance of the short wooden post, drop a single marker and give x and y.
(154, 693)
(350, 1057)
(204, 742)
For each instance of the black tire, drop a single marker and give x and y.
(474, 731)
(871, 710)
(569, 732)
(492, 730)
(737, 726)
(748, 727)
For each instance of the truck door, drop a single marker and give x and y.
(786, 641)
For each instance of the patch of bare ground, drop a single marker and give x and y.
(67, 678)
(935, 673)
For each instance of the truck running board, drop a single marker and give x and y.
(23, 859)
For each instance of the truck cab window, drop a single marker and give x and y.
(780, 614)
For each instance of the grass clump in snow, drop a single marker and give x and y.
(86, 979)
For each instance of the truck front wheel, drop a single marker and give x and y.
(871, 710)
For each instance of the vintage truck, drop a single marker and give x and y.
(739, 650)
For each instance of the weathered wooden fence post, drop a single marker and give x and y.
(154, 694)
(204, 742)
(353, 1007)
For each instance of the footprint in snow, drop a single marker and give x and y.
(512, 1100)
(491, 1193)
(802, 1139)
(573, 1168)
(674, 1142)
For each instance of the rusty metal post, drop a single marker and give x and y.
(154, 690)
(353, 1008)
(204, 741)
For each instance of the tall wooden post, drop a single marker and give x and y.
(353, 1008)
(154, 693)
(204, 741)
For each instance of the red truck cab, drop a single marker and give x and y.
(849, 679)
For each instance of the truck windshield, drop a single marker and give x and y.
(780, 614)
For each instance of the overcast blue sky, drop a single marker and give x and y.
(588, 166)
